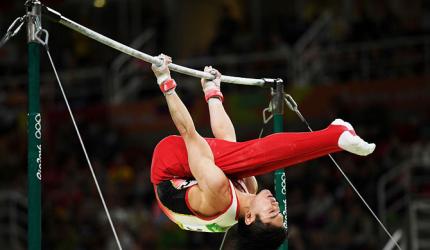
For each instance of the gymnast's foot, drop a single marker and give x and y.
(351, 142)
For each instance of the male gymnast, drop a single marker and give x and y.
(208, 184)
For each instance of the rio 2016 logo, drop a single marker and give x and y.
(38, 135)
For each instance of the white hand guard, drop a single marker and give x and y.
(212, 88)
(162, 72)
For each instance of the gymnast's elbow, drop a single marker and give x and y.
(188, 131)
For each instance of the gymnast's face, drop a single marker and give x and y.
(267, 208)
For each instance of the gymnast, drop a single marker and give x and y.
(208, 184)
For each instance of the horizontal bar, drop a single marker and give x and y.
(56, 16)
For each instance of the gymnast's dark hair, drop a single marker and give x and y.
(257, 235)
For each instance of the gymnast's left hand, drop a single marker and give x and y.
(162, 72)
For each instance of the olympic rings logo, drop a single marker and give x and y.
(38, 126)
(283, 184)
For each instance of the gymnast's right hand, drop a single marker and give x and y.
(162, 71)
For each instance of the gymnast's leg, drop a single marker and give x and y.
(261, 156)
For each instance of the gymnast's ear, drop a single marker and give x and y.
(249, 217)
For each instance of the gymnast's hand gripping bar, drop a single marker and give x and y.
(57, 17)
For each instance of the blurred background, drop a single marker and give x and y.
(364, 61)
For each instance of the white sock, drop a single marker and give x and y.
(354, 144)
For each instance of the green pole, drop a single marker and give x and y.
(34, 133)
(280, 179)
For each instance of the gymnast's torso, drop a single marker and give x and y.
(172, 197)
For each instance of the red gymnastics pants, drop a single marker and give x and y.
(249, 158)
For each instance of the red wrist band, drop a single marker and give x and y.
(214, 93)
(167, 85)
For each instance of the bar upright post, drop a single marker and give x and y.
(280, 179)
(34, 129)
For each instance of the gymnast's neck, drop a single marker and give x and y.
(245, 200)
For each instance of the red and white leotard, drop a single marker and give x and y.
(171, 175)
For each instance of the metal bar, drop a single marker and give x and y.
(34, 131)
(53, 15)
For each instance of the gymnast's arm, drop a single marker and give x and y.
(212, 193)
(221, 124)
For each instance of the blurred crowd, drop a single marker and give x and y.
(323, 210)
